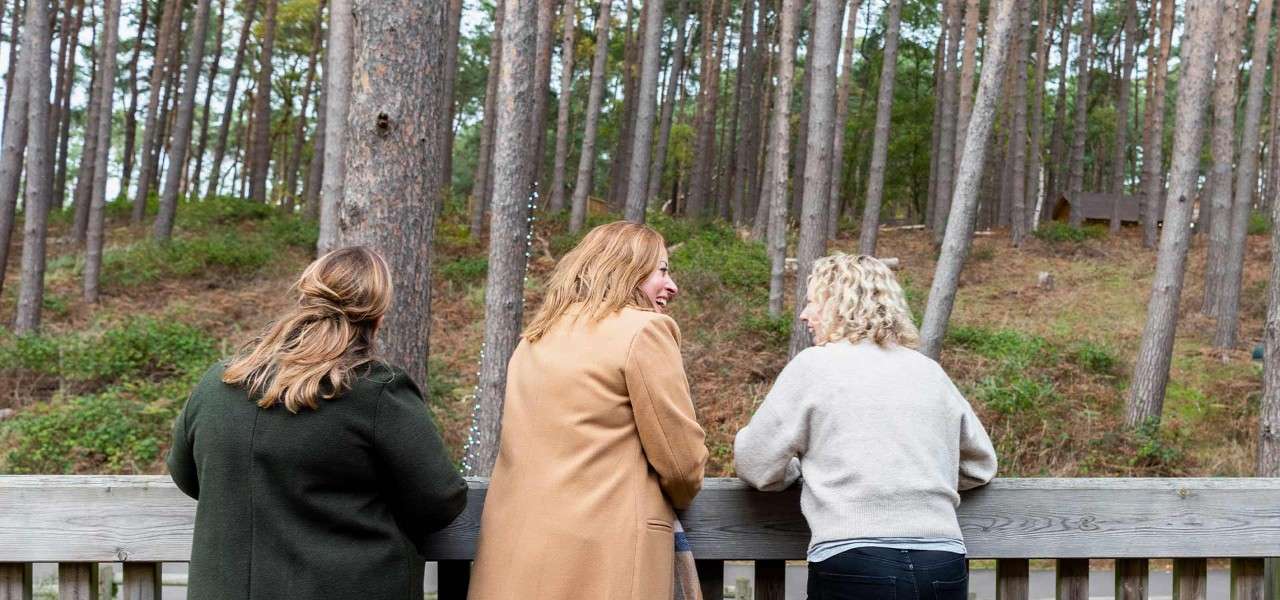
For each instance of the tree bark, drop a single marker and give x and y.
(163, 229)
(842, 118)
(817, 170)
(338, 57)
(1153, 155)
(482, 185)
(880, 146)
(98, 201)
(451, 86)
(542, 86)
(12, 146)
(946, 145)
(229, 107)
(959, 232)
(315, 169)
(971, 18)
(1151, 369)
(18, 8)
(202, 145)
(1035, 164)
(83, 193)
(509, 231)
(802, 134)
(1218, 190)
(700, 188)
(1121, 149)
(131, 115)
(1246, 183)
(67, 53)
(38, 193)
(1018, 133)
(775, 185)
(395, 125)
(620, 161)
(260, 155)
(646, 107)
(1080, 134)
(935, 151)
(166, 36)
(1058, 138)
(300, 126)
(1269, 405)
(587, 160)
(557, 203)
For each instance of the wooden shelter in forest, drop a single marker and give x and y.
(1098, 206)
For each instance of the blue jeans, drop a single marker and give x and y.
(890, 574)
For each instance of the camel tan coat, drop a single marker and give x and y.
(599, 442)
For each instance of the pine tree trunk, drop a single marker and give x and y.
(880, 145)
(542, 87)
(150, 137)
(1058, 139)
(1269, 404)
(451, 84)
(18, 8)
(670, 101)
(395, 126)
(1018, 133)
(939, 81)
(12, 146)
(967, 66)
(39, 192)
(508, 234)
(1151, 369)
(83, 193)
(1080, 133)
(646, 107)
(300, 126)
(1153, 155)
(66, 79)
(260, 155)
(587, 160)
(315, 168)
(700, 188)
(802, 134)
(131, 115)
(959, 230)
(1246, 183)
(198, 170)
(741, 158)
(338, 57)
(163, 229)
(1036, 155)
(557, 203)
(817, 172)
(229, 107)
(620, 161)
(480, 189)
(1218, 189)
(947, 167)
(779, 144)
(1121, 150)
(760, 225)
(842, 118)
(98, 201)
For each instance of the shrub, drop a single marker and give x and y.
(983, 254)
(1055, 232)
(149, 261)
(1005, 345)
(775, 331)
(468, 269)
(1095, 358)
(717, 253)
(1011, 391)
(137, 348)
(1259, 223)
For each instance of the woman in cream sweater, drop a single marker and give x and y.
(882, 436)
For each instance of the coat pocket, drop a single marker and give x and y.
(659, 525)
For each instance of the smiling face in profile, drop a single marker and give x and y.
(660, 288)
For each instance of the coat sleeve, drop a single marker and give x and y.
(977, 455)
(766, 453)
(673, 442)
(181, 460)
(425, 491)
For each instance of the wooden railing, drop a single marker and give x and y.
(142, 521)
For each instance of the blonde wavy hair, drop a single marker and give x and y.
(603, 272)
(310, 351)
(858, 298)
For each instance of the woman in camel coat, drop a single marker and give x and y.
(599, 442)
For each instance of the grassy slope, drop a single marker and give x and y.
(1046, 369)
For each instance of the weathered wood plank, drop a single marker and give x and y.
(78, 581)
(142, 581)
(711, 578)
(1272, 574)
(1072, 579)
(1190, 579)
(1131, 578)
(145, 518)
(1247, 579)
(454, 577)
(15, 581)
(771, 579)
(1012, 579)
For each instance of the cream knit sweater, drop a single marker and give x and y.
(883, 437)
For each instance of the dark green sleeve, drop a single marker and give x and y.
(181, 461)
(426, 492)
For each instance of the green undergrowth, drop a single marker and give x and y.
(715, 256)
(1058, 232)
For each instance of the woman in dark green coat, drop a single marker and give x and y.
(317, 468)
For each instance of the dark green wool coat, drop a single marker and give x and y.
(328, 503)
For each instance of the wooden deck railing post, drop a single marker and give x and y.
(1190, 579)
(15, 581)
(1012, 579)
(142, 581)
(1246, 579)
(1072, 579)
(711, 578)
(77, 581)
(1131, 578)
(771, 579)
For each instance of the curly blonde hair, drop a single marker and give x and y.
(858, 298)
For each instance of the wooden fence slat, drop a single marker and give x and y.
(454, 577)
(1246, 579)
(1272, 574)
(15, 581)
(711, 578)
(1190, 579)
(78, 581)
(771, 579)
(141, 581)
(1072, 579)
(1131, 578)
(1012, 579)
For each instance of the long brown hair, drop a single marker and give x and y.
(311, 350)
(603, 272)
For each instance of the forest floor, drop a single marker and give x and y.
(1046, 369)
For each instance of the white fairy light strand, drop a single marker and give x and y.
(469, 456)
